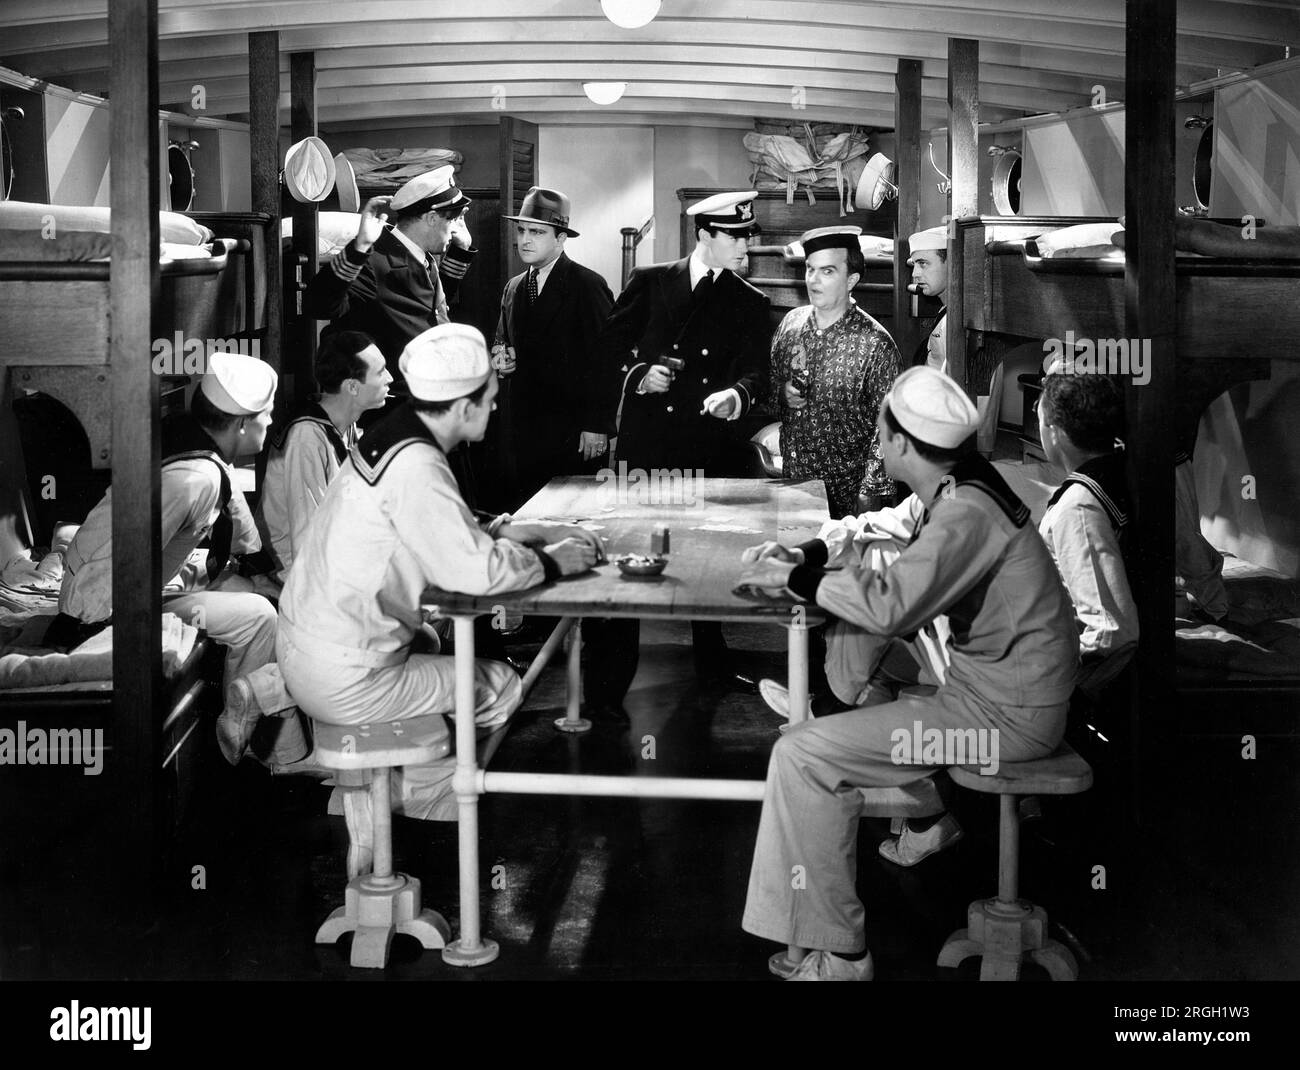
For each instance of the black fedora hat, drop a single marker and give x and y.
(547, 206)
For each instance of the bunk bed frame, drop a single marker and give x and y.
(55, 339)
(1009, 290)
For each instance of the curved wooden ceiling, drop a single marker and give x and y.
(719, 62)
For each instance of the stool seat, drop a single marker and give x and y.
(1062, 772)
(384, 744)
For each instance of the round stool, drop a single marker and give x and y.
(381, 903)
(1008, 929)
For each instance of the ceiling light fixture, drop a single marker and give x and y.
(630, 14)
(603, 92)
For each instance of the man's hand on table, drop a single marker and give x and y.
(768, 574)
(773, 550)
(540, 532)
(572, 555)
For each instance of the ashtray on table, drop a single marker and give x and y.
(641, 566)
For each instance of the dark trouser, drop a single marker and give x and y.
(613, 645)
(613, 649)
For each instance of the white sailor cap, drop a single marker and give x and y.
(930, 238)
(732, 212)
(239, 385)
(309, 170)
(814, 241)
(436, 188)
(930, 406)
(445, 362)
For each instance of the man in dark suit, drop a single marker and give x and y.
(391, 283)
(702, 337)
(556, 419)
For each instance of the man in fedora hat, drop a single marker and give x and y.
(389, 281)
(551, 317)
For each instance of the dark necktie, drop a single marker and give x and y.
(532, 286)
(702, 289)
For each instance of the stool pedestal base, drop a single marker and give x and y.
(456, 955)
(1005, 934)
(376, 909)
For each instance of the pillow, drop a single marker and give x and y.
(1084, 240)
(29, 215)
(333, 230)
(182, 230)
(68, 246)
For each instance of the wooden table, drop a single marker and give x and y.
(710, 522)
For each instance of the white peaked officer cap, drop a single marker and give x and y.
(445, 362)
(930, 238)
(437, 187)
(732, 212)
(239, 385)
(930, 406)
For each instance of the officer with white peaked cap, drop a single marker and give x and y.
(394, 279)
(969, 552)
(693, 340)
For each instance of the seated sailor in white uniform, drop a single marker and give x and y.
(1013, 658)
(390, 525)
(228, 418)
(307, 452)
(1085, 525)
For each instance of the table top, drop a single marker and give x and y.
(710, 523)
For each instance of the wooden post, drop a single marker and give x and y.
(1150, 305)
(964, 169)
(137, 556)
(264, 145)
(907, 147)
(629, 254)
(301, 356)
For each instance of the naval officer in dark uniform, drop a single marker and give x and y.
(685, 414)
(699, 311)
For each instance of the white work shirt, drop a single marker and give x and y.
(375, 543)
(1086, 550)
(191, 502)
(297, 477)
(937, 346)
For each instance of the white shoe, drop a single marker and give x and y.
(897, 825)
(913, 847)
(778, 698)
(237, 721)
(823, 966)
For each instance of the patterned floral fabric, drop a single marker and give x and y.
(847, 368)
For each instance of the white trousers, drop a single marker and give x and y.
(423, 684)
(242, 622)
(802, 885)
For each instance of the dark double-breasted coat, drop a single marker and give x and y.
(559, 387)
(384, 292)
(724, 339)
